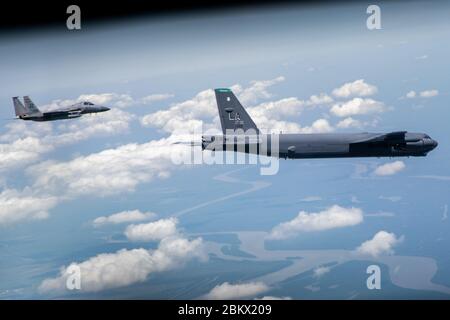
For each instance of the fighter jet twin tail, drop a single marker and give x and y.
(29, 111)
(241, 132)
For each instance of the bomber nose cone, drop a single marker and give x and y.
(434, 144)
(104, 109)
(430, 144)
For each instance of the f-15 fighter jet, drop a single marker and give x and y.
(29, 111)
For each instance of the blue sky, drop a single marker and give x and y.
(314, 69)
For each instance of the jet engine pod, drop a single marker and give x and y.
(291, 152)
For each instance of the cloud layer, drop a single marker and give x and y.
(355, 88)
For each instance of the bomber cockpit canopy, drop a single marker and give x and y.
(87, 103)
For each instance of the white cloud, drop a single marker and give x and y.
(389, 169)
(108, 172)
(423, 94)
(355, 88)
(108, 123)
(381, 243)
(320, 99)
(191, 114)
(333, 217)
(227, 291)
(349, 123)
(124, 217)
(257, 90)
(357, 106)
(184, 116)
(24, 205)
(318, 126)
(429, 93)
(201, 112)
(105, 173)
(320, 271)
(21, 152)
(152, 231)
(27, 142)
(277, 109)
(125, 267)
(411, 94)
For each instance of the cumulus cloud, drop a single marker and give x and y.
(381, 243)
(355, 88)
(349, 123)
(185, 116)
(357, 106)
(124, 217)
(125, 267)
(333, 217)
(429, 93)
(192, 114)
(227, 291)
(422, 94)
(320, 271)
(152, 231)
(24, 205)
(389, 169)
(411, 94)
(200, 112)
(109, 123)
(104, 173)
(257, 90)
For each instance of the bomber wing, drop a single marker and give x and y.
(392, 138)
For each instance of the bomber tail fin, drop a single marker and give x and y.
(18, 107)
(30, 107)
(232, 115)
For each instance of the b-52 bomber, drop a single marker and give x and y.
(29, 111)
(236, 124)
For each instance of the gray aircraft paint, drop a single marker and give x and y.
(29, 111)
(237, 123)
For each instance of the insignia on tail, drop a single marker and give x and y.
(232, 115)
